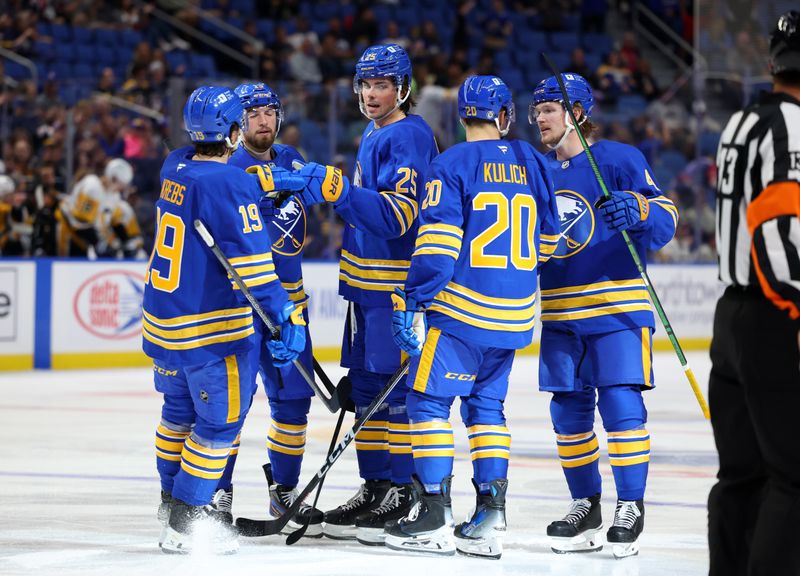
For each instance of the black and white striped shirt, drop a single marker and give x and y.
(759, 152)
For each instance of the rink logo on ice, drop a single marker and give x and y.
(109, 305)
(577, 223)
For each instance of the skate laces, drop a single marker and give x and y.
(357, 500)
(626, 514)
(413, 514)
(222, 501)
(578, 510)
(390, 501)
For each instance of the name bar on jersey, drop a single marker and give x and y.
(504, 173)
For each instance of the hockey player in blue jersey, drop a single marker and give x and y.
(487, 221)
(288, 393)
(197, 327)
(380, 209)
(597, 321)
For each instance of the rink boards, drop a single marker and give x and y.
(61, 314)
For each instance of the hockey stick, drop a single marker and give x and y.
(332, 403)
(300, 532)
(631, 248)
(255, 528)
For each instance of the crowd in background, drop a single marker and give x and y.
(307, 52)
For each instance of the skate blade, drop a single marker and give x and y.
(587, 541)
(371, 536)
(625, 549)
(421, 545)
(336, 532)
(489, 548)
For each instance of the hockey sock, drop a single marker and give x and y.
(629, 454)
(169, 444)
(489, 447)
(226, 482)
(372, 446)
(432, 444)
(286, 439)
(202, 465)
(579, 455)
(400, 456)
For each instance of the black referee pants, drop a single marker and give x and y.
(754, 395)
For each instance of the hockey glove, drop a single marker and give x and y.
(321, 183)
(293, 336)
(275, 180)
(408, 323)
(624, 209)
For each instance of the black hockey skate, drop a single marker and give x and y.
(482, 534)
(628, 525)
(221, 507)
(282, 497)
(428, 527)
(396, 503)
(194, 527)
(577, 531)
(340, 523)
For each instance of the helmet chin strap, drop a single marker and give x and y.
(569, 128)
(398, 102)
(232, 146)
(503, 131)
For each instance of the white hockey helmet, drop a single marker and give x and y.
(119, 170)
(7, 185)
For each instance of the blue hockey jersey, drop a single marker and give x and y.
(382, 214)
(286, 225)
(591, 284)
(192, 312)
(487, 221)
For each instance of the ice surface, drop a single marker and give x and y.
(80, 491)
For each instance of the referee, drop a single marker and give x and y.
(754, 388)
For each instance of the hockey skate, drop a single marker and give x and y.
(396, 503)
(429, 526)
(578, 530)
(482, 534)
(282, 497)
(163, 515)
(340, 523)
(221, 507)
(628, 525)
(195, 528)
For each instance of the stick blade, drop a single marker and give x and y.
(251, 528)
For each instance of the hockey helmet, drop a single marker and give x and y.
(7, 185)
(578, 90)
(120, 171)
(253, 95)
(383, 61)
(784, 44)
(483, 97)
(210, 112)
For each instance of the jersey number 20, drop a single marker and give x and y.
(521, 241)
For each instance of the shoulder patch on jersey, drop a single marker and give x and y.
(576, 220)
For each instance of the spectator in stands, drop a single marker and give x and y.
(290, 135)
(578, 65)
(330, 63)
(394, 36)
(629, 51)
(365, 28)
(497, 27)
(644, 82)
(613, 78)
(303, 64)
(302, 34)
(107, 84)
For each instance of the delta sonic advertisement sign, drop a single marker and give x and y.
(97, 314)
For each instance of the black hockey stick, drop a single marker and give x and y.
(332, 403)
(631, 248)
(344, 384)
(255, 528)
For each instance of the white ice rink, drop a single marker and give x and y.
(79, 486)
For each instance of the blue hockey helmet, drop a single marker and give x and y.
(578, 90)
(483, 97)
(383, 61)
(210, 112)
(254, 95)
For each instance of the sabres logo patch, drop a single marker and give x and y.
(577, 223)
(289, 227)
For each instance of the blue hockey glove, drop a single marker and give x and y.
(624, 210)
(275, 180)
(321, 183)
(293, 336)
(408, 323)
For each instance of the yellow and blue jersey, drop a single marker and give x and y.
(286, 225)
(382, 214)
(487, 221)
(591, 284)
(192, 312)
